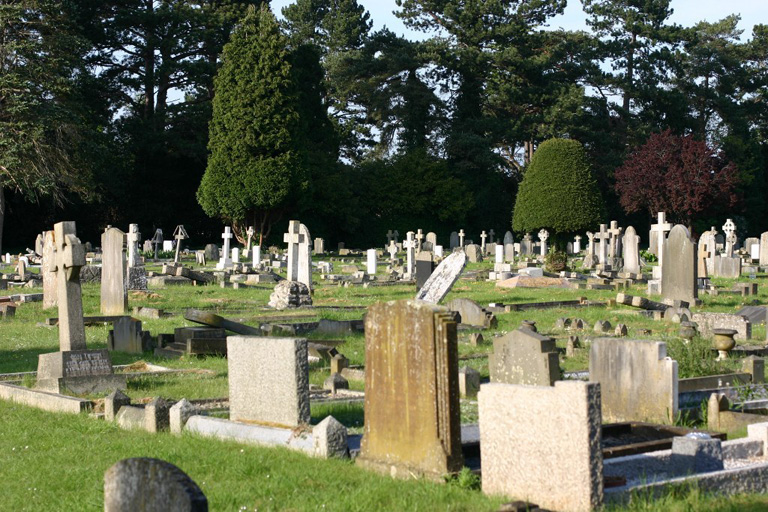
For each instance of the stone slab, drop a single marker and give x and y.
(44, 400)
(442, 279)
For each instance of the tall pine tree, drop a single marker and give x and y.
(256, 164)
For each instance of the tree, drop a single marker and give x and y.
(678, 175)
(256, 164)
(41, 129)
(558, 191)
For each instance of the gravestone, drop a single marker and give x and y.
(136, 273)
(256, 256)
(179, 234)
(658, 235)
(526, 247)
(764, 249)
(425, 265)
(47, 270)
(73, 367)
(543, 444)
(729, 228)
(319, 246)
(472, 314)
(508, 238)
(615, 245)
(707, 322)
(707, 247)
(371, 262)
(268, 380)
(157, 241)
(474, 253)
(393, 236)
(543, 237)
(461, 238)
(442, 279)
(293, 238)
(211, 252)
(524, 357)
(419, 240)
(225, 262)
(150, 485)
(509, 253)
(631, 253)
(438, 251)
(39, 244)
(577, 244)
(638, 382)
(678, 273)
(602, 247)
(498, 254)
(305, 257)
(410, 247)
(432, 238)
(250, 232)
(590, 260)
(235, 255)
(483, 237)
(114, 289)
(453, 240)
(412, 422)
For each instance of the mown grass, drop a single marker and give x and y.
(53, 459)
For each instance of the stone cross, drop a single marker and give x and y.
(703, 255)
(491, 236)
(180, 234)
(157, 240)
(614, 248)
(392, 235)
(577, 244)
(419, 238)
(69, 258)
(483, 236)
(293, 238)
(133, 237)
(410, 246)
(543, 236)
(602, 236)
(662, 227)
(392, 250)
(250, 232)
(226, 258)
(461, 238)
(729, 228)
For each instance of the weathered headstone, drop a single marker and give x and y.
(474, 253)
(179, 234)
(114, 289)
(764, 249)
(453, 240)
(543, 237)
(729, 228)
(47, 270)
(151, 485)
(211, 252)
(658, 235)
(461, 238)
(319, 246)
(293, 238)
(256, 256)
(425, 265)
(472, 314)
(305, 257)
(602, 247)
(412, 423)
(615, 245)
(590, 260)
(678, 273)
(524, 357)
(410, 247)
(432, 238)
(268, 380)
(371, 262)
(136, 277)
(543, 444)
(442, 279)
(631, 254)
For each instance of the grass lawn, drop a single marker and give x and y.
(58, 461)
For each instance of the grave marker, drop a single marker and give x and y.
(631, 254)
(226, 257)
(543, 236)
(678, 274)
(442, 279)
(114, 289)
(179, 234)
(47, 270)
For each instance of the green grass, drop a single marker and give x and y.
(49, 458)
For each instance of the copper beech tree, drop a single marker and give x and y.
(678, 175)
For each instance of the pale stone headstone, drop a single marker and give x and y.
(432, 239)
(438, 251)
(658, 235)
(235, 255)
(410, 247)
(509, 252)
(50, 297)
(729, 228)
(319, 246)
(305, 257)
(39, 244)
(472, 314)
(708, 251)
(268, 380)
(543, 237)
(614, 248)
(499, 256)
(526, 246)
(474, 253)
(226, 257)
(590, 260)
(256, 254)
(508, 238)
(461, 238)
(211, 252)
(543, 444)
(524, 357)
(151, 485)
(133, 237)
(602, 250)
(167, 245)
(483, 237)
(442, 279)
(392, 250)
(293, 238)
(371, 262)
(393, 236)
(707, 322)
(419, 240)
(678, 274)
(577, 244)
(412, 420)
(764, 249)
(114, 289)
(631, 254)
(638, 382)
(754, 251)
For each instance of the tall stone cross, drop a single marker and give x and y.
(729, 228)
(577, 244)
(661, 228)
(410, 246)
(602, 236)
(293, 238)
(133, 237)
(614, 249)
(491, 236)
(461, 238)
(157, 240)
(392, 250)
(419, 238)
(69, 258)
(180, 234)
(392, 235)
(483, 236)
(543, 237)
(250, 232)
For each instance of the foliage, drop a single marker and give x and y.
(555, 261)
(256, 166)
(677, 175)
(558, 191)
(648, 256)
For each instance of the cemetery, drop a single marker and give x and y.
(440, 376)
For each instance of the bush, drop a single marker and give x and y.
(558, 191)
(555, 261)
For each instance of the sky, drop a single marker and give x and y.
(686, 13)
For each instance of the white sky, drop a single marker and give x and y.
(686, 13)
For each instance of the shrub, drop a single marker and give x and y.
(555, 261)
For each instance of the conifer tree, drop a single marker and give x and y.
(256, 164)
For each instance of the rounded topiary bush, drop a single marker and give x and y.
(558, 191)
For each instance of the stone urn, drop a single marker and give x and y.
(529, 324)
(723, 342)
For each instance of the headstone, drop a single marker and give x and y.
(211, 252)
(614, 248)
(577, 244)
(729, 228)
(454, 240)
(658, 235)
(543, 237)
(168, 245)
(707, 322)
(268, 380)
(371, 262)
(235, 252)
(305, 257)
(410, 247)
(179, 234)
(524, 357)
(39, 245)
(432, 239)
(764, 249)
(526, 247)
(256, 255)
(678, 281)
(151, 485)
(442, 279)
(602, 249)
(293, 238)
(226, 257)
(290, 294)
(708, 251)
(590, 260)
(543, 444)
(509, 252)
(114, 289)
(474, 253)
(319, 246)
(638, 382)
(425, 265)
(631, 254)
(412, 421)
(461, 238)
(392, 236)
(438, 251)
(50, 299)
(483, 237)
(499, 254)
(419, 240)
(472, 314)
(132, 239)
(392, 250)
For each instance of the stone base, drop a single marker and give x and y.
(82, 385)
(401, 471)
(137, 278)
